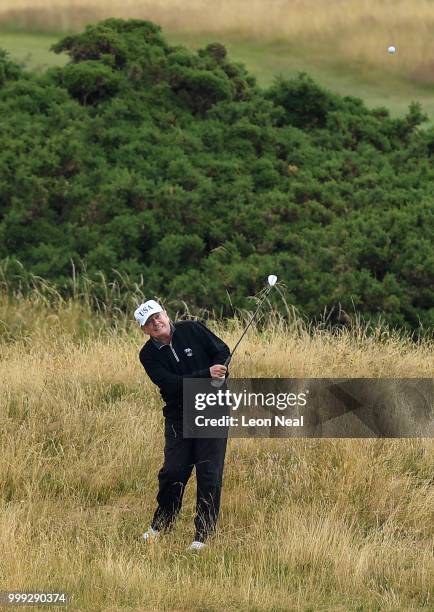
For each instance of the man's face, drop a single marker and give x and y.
(157, 326)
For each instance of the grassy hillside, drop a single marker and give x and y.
(357, 30)
(305, 524)
(265, 59)
(142, 158)
(32, 50)
(344, 48)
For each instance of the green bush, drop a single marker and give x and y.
(90, 81)
(142, 159)
(8, 69)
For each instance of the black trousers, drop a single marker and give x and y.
(180, 455)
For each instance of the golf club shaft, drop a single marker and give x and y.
(219, 382)
(229, 357)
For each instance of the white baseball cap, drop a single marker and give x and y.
(146, 310)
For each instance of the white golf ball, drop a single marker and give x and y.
(391, 50)
(272, 279)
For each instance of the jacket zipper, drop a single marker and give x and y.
(173, 351)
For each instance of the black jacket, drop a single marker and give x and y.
(194, 348)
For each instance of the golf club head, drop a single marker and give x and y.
(272, 280)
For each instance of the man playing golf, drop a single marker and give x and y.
(174, 351)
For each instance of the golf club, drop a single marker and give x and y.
(272, 279)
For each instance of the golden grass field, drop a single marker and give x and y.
(352, 30)
(305, 524)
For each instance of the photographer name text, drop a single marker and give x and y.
(243, 421)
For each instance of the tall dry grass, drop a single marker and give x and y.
(346, 30)
(305, 524)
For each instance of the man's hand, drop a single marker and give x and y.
(218, 371)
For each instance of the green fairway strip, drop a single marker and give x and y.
(265, 60)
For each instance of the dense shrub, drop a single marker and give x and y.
(89, 82)
(8, 70)
(150, 159)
